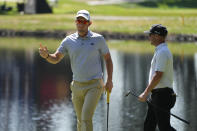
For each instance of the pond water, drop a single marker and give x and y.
(35, 95)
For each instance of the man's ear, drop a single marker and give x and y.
(90, 23)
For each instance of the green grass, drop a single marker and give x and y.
(37, 22)
(142, 16)
(147, 8)
(124, 9)
(176, 25)
(142, 47)
(17, 43)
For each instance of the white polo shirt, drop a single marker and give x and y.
(85, 55)
(162, 61)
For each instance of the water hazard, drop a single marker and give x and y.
(35, 95)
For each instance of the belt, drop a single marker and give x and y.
(161, 89)
(87, 82)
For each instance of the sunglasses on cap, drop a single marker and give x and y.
(82, 21)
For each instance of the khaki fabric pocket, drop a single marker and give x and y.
(101, 83)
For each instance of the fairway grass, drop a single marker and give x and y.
(144, 47)
(123, 9)
(133, 18)
(50, 22)
(141, 47)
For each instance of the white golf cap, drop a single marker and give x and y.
(83, 13)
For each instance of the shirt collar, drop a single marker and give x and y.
(87, 36)
(160, 46)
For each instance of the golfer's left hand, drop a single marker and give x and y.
(143, 97)
(109, 86)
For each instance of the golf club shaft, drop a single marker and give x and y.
(108, 99)
(147, 101)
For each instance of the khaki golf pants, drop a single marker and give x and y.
(85, 97)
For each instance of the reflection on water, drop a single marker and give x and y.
(15, 84)
(35, 95)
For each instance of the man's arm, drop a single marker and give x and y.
(51, 58)
(156, 79)
(109, 66)
(55, 58)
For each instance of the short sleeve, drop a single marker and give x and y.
(62, 48)
(161, 61)
(103, 46)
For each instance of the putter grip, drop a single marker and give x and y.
(108, 95)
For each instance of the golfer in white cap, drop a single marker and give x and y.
(85, 49)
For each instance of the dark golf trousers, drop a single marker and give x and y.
(162, 100)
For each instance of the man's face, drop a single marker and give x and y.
(82, 24)
(154, 39)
